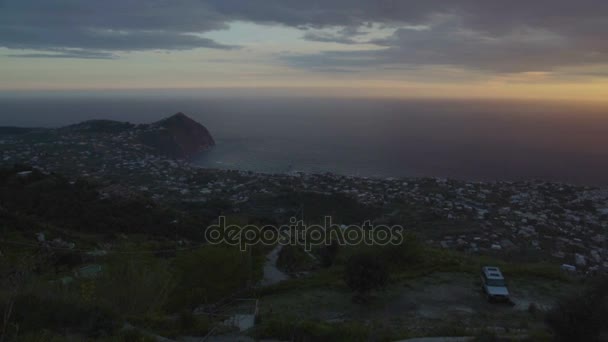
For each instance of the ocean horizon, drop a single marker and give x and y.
(468, 140)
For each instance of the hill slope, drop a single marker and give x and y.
(177, 136)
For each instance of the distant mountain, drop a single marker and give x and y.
(177, 136)
(10, 130)
(100, 126)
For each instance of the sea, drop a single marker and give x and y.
(476, 140)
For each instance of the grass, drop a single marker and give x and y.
(314, 330)
(324, 294)
(433, 260)
(439, 260)
(185, 324)
(325, 287)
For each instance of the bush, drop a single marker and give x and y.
(410, 251)
(328, 254)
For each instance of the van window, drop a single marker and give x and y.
(495, 282)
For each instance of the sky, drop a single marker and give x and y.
(545, 49)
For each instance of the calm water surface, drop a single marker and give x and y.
(476, 140)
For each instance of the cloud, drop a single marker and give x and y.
(446, 40)
(493, 35)
(105, 39)
(67, 53)
(107, 26)
(328, 38)
(345, 35)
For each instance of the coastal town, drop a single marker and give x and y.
(560, 223)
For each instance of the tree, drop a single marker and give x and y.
(328, 254)
(293, 259)
(582, 316)
(365, 273)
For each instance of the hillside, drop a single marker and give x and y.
(177, 136)
(100, 213)
(100, 126)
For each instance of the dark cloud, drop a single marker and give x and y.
(328, 38)
(67, 53)
(449, 43)
(104, 39)
(497, 35)
(492, 16)
(346, 35)
(109, 25)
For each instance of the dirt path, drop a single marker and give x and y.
(272, 275)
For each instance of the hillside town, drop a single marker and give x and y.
(560, 223)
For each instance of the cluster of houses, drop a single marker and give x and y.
(564, 223)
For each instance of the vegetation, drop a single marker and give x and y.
(328, 254)
(152, 283)
(209, 274)
(294, 259)
(365, 273)
(291, 329)
(100, 126)
(33, 312)
(138, 286)
(582, 316)
(80, 206)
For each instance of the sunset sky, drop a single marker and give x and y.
(549, 49)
